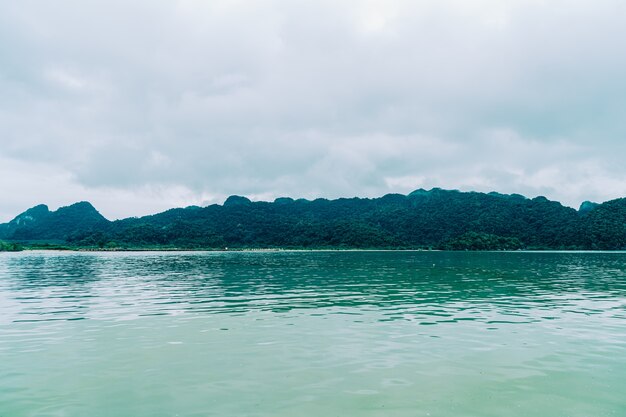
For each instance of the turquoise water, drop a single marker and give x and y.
(312, 334)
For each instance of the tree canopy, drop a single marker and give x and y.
(423, 219)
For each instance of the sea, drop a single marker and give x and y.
(312, 333)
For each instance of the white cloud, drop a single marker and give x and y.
(147, 105)
(26, 184)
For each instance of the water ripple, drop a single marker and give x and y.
(326, 330)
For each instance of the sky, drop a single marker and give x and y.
(142, 106)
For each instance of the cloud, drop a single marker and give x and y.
(156, 104)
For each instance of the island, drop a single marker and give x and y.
(424, 219)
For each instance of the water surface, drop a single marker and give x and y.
(312, 334)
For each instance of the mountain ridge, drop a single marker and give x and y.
(435, 218)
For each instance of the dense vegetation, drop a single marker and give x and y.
(423, 219)
(9, 247)
(482, 241)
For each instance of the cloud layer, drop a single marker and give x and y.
(139, 107)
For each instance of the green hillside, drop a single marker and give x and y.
(423, 219)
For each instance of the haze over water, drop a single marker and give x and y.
(312, 334)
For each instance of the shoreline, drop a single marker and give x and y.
(284, 250)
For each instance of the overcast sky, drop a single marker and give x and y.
(145, 105)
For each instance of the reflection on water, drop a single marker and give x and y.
(431, 286)
(312, 333)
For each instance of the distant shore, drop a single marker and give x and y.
(285, 250)
(420, 220)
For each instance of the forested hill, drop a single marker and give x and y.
(423, 219)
